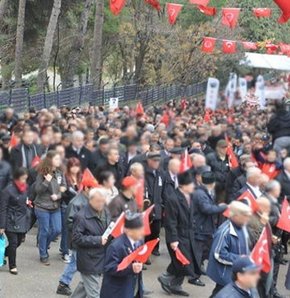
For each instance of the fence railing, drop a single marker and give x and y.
(21, 100)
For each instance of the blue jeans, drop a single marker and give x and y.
(70, 269)
(49, 227)
(63, 242)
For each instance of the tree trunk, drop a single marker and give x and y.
(51, 28)
(19, 42)
(73, 60)
(96, 56)
(3, 6)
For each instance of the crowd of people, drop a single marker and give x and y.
(74, 171)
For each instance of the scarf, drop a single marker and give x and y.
(22, 187)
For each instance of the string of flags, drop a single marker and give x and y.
(230, 16)
(230, 46)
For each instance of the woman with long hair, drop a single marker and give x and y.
(13, 214)
(49, 186)
(73, 178)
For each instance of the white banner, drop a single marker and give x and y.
(260, 91)
(231, 89)
(212, 93)
(114, 103)
(243, 88)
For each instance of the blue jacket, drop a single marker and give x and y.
(205, 211)
(120, 284)
(226, 248)
(233, 291)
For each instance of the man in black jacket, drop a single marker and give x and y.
(205, 212)
(100, 155)
(179, 232)
(284, 179)
(79, 151)
(89, 226)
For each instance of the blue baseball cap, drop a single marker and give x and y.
(245, 264)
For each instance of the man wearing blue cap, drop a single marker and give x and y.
(246, 275)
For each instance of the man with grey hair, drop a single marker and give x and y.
(230, 241)
(79, 151)
(90, 224)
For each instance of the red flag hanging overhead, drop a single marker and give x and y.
(36, 161)
(116, 6)
(146, 250)
(262, 12)
(230, 17)
(146, 220)
(208, 44)
(261, 252)
(284, 5)
(200, 2)
(186, 163)
(118, 228)
(88, 180)
(284, 220)
(248, 45)
(271, 48)
(285, 49)
(154, 3)
(139, 109)
(181, 257)
(209, 11)
(173, 11)
(229, 46)
(141, 254)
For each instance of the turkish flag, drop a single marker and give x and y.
(200, 2)
(284, 220)
(207, 116)
(209, 11)
(285, 49)
(284, 5)
(173, 11)
(116, 6)
(88, 180)
(271, 48)
(14, 141)
(36, 161)
(146, 250)
(119, 226)
(208, 44)
(248, 45)
(233, 161)
(261, 252)
(139, 109)
(146, 220)
(230, 16)
(262, 12)
(154, 3)
(139, 195)
(181, 257)
(186, 163)
(270, 170)
(248, 198)
(141, 254)
(229, 46)
(165, 119)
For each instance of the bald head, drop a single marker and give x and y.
(253, 176)
(174, 166)
(97, 199)
(264, 205)
(239, 213)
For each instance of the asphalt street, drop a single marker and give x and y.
(35, 280)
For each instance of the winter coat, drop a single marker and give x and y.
(205, 211)
(88, 229)
(120, 284)
(5, 174)
(225, 250)
(279, 124)
(84, 156)
(233, 291)
(285, 185)
(13, 210)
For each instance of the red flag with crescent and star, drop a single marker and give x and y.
(208, 44)
(116, 6)
(261, 252)
(284, 5)
(229, 46)
(118, 228)
(173, 11)
(209, 11)
(146, 220)
(181, 257)
(284, 220)
(262, 12)
(230, 17)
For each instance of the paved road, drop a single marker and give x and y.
(35, 280)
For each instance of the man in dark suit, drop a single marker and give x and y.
(179, 232)
(79, 151)
(284, 179)
(126, 283)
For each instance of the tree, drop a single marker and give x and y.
(3, 7)
(51, 28)
(96, 54)
(19, 42)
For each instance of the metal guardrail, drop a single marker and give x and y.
(21, 100)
